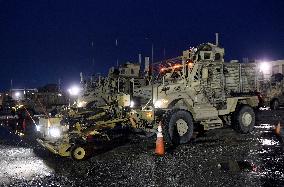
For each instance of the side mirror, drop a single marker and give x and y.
(205, 73)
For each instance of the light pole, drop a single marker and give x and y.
(152, 49)
(73, 92)
(151, 67)
(152, 57)
(117, 52)
(152, 45)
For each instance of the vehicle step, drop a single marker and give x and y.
(212, 124)
(205, 111)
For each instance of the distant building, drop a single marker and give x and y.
(20, 94)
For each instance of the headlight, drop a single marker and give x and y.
(81, 104)
(160, 103)
(54, 132)
(21, 134)
(132, 104)
(37, 128)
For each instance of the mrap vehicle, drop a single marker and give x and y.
(203, 90)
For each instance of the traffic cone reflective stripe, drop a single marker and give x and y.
(277, 129)
(160, 148)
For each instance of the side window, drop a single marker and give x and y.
(207, 56)
(122, 71)
(217, 56)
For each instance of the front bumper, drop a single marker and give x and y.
(59, 148)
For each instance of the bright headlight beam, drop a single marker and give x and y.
(37, 128)
(81, 104)
(74, 90)
(132, 104)
(54, 132)
(264, 67)
(160, 103)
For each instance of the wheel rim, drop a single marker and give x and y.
(79, 153)
(246, 119)
(181, 127)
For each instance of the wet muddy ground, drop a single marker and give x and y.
(220, 157)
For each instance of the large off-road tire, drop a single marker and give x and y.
(244, 119)
(178, 127)
(274, 104)
(79, 152)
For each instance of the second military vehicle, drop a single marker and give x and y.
(272, 91)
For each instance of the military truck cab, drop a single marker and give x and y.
(207, 52)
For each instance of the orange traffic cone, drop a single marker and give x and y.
(277, 129)
(160, 148)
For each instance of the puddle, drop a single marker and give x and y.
(237, 166)
(264, 126)
(268, 142)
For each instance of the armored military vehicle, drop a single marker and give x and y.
(203, 90)
(99, 90)
(77, 135)
(100, 117)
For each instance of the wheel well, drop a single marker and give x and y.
(173, 110)
(174, 103)
(250, 102)
(180, 104)
(242, 102)
(240, 105)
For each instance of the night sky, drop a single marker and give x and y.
(44, 40)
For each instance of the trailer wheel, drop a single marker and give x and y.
(178, 127)
(79, 152)
(244, 119)
(274, 105)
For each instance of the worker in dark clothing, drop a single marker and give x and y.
(22, 120)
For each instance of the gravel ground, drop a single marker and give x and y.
(208, 160)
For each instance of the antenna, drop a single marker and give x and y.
(152, 46)
(11, 84)
(217, 38)
(140, 58)
(81, 77)
(116, 45)
(59, 84)
(92, 55)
